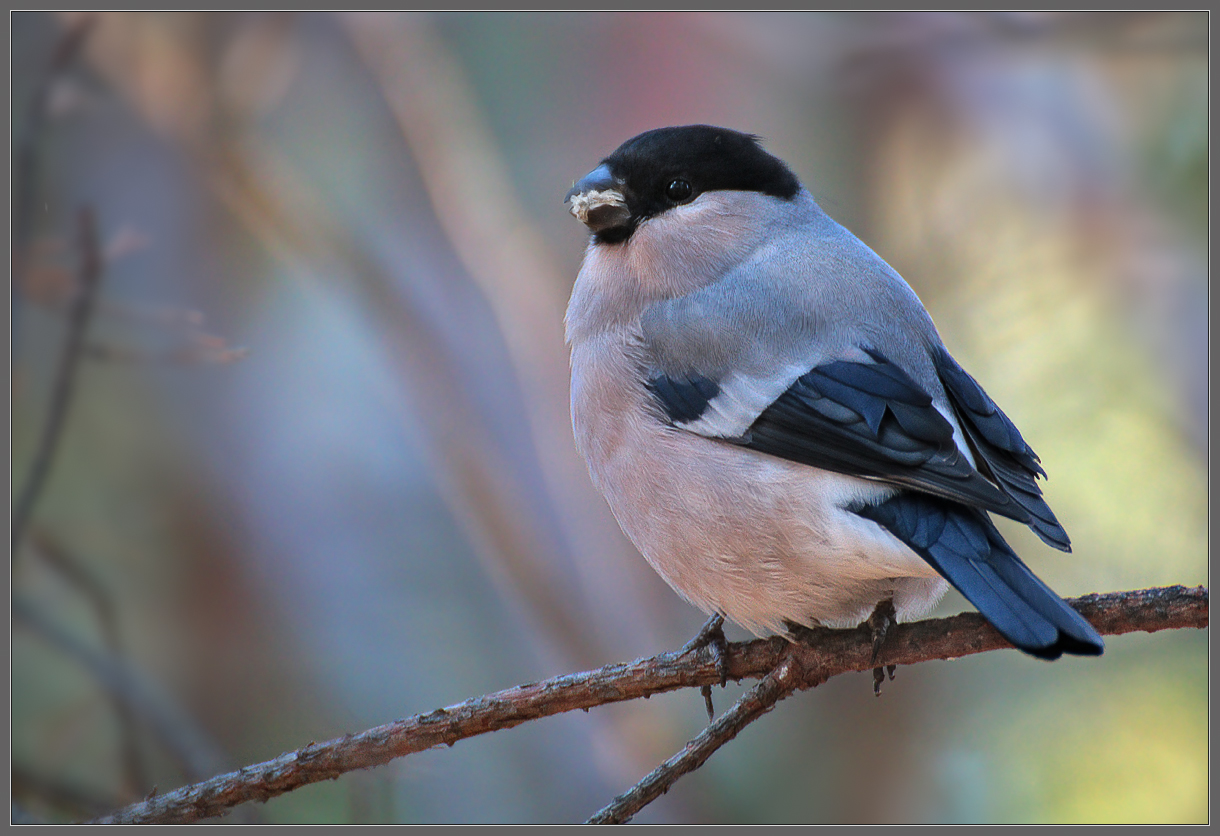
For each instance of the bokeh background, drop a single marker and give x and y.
(318, 472)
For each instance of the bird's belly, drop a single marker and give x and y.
(757, 538)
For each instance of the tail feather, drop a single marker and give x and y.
(964, 546)
(1077, 636)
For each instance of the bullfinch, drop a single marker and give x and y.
(771, 414)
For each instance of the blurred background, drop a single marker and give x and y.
(317, 472)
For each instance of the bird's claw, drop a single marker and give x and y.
(879, 624)
(711, 636)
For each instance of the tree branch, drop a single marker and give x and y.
(65, 375)
(1149, 610)
(836, 651)
(756, 702)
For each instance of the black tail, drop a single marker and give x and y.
(962, 544)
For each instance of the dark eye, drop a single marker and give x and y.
(678, 190)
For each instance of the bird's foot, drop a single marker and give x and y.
(879, 624)
(711, 636)
(879, 676)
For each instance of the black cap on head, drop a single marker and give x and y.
(668, 167)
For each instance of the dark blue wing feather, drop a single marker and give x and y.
(873, 420)
(683, 399)
(999, 449)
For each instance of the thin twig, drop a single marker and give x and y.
(756, 702)
(168, 722)
(99, 597)
(65, 377)
(838, 651)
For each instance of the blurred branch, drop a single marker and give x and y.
(25, 166)
(65, 797)
(527, 537)
(784, 666)
(165, 316)
(471, 192)
(484, 491)
(173, 727)
(1119, 31)
(54, 289)
(55, 555)
(1127, 33)
(204, 350)
(470, 189)
(65, 376)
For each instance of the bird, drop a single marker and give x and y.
(773, 417)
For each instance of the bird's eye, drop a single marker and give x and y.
(678, 190)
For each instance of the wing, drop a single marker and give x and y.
(756, 360)
(999, 449)
(867, 419)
